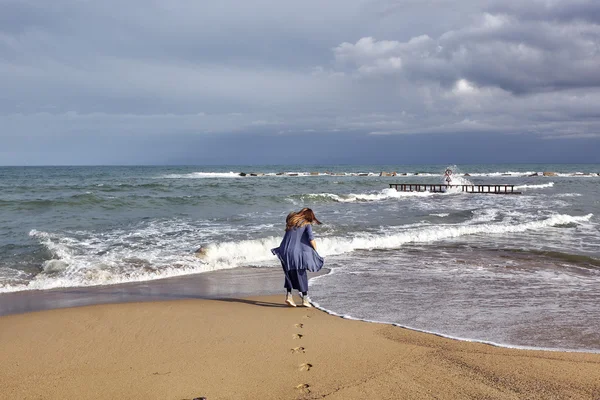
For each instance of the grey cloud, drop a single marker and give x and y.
(498, 50)
(548, 10)
(180, 55)
(180, 70)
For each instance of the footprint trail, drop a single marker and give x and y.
(305, 367)
(303, 387)
(298, 350)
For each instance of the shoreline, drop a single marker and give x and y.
(256, 347)
(219, 285)
(227, 283)
(459, 339)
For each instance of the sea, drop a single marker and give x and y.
(511, 270)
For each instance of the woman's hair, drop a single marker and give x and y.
(303, 217)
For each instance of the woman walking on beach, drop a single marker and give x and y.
(298, 253)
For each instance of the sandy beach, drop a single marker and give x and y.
(256, 348)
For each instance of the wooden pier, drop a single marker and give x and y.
(442, 188)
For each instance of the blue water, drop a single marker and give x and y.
(520, 270)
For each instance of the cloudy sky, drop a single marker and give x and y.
(312, 81)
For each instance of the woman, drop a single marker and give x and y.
(298, 252)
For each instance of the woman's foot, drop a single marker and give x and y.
(306, 302)
(289, 300)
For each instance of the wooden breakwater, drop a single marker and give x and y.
(442, 188)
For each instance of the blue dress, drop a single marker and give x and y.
(296, 256)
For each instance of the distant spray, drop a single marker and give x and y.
(453, 176)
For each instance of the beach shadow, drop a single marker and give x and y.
(67, 298)
(254, 302)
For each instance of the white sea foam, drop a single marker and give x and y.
(456, 177)
(568, 195)
(540, 186)
(484, 215)
(503, 173)
(390, 193)
(331, 246)
(375, 196)
(154, 252)
(459, 180)
(200, 175)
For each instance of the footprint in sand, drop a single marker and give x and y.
(298, 336)
(298, 350)
(299, 326)
(305, 367)
(306, 316)
(303, 387)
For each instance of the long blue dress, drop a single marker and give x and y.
(296, 256)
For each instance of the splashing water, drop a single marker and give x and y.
(453, 176)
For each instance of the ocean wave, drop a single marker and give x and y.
(568, 195)
(540, 186)
(432, 234)
(444, 335)
(497, 174)
(108, 199)
(251, 251)
(390, 193)
(119, 187)
(365, 197)
(200, 175)
(162, 249)
(157, 250)
(86, 199)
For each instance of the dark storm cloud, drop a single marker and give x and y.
(156, 77)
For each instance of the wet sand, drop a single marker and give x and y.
(228, 283)
(256, 348)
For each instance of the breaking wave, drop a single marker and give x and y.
(365, 197)
(246, 174)
(540, 186)
(161, 250)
